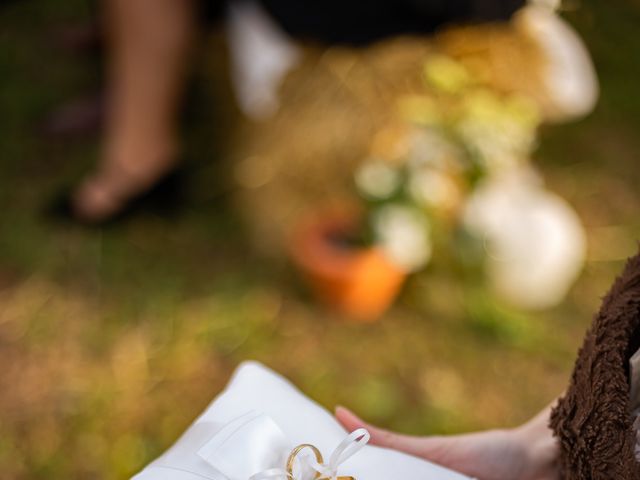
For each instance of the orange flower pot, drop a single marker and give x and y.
(360, 283)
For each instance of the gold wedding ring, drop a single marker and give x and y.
(296, 451)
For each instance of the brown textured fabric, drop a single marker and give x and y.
(592, 420)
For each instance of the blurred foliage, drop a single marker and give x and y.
(112, 340)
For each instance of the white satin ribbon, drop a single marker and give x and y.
(248, 444)
(253, 447)
(351, 445)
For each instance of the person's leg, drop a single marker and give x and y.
(149, 45)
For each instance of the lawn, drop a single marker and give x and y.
(112, 340)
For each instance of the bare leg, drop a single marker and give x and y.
(149, 46)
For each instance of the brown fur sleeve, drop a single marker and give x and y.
(592, 421)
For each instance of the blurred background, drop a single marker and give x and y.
(113, 338)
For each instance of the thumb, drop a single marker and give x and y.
(417, 446)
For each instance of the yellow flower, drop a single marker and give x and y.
(524, 110)
(446, 74)
(419, 109)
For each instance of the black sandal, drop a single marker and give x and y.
(165, 197)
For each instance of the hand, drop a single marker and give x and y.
(528, 452)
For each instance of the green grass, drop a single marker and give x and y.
(113, 340)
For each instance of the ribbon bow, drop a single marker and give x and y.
(254, 447)
(351, 445)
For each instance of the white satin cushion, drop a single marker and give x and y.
(254, 388)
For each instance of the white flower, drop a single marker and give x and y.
(429, 147)
(536, 244)
(433, 188)
(377, 179)
(403, 234)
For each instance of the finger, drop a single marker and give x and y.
(421, 447)
(349, 420)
